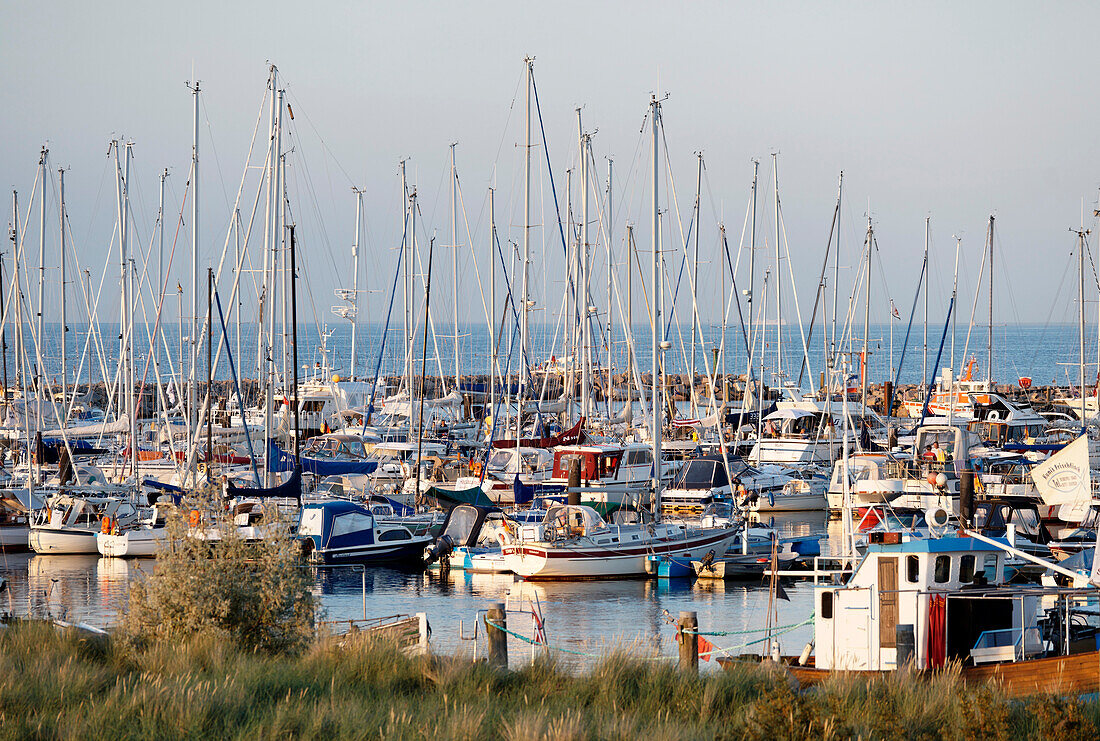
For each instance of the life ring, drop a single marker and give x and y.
(196, 518)
(105, 525)
(475, 468)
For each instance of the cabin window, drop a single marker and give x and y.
(966, 568)
(989, 569)
(352, 522)
(942, 572)
(912, 569)
(827, 605)
(395, 534)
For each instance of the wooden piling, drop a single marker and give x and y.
(574, 495)
(496, 618)
(689, 641)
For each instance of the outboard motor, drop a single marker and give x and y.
(707, 562)
(438, 550)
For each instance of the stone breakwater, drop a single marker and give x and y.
(622, 388)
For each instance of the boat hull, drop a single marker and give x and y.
(60, 541)
(406, 551)
(1076, 674)
(790, 503)
(15, 538)
(538, 561)
(131, 544)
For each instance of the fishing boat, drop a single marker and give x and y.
(929, 602)
(574, 542)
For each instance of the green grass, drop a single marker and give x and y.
(60, 685)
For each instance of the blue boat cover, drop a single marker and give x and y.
(279, 461)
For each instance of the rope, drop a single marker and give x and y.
(780, 631)
(775, 631)
(533, 642)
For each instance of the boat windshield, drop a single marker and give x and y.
(500, 459)
(718, 509)
(696, 475)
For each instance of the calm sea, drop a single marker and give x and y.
(1045, 353)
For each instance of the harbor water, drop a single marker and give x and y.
(585, 618)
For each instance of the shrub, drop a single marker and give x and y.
(251, 593)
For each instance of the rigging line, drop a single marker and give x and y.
(214, 148)
(473, 255)
(794, 289)
(974, 306)
(324, 144)
(820, 293)
(310, 191)
(237, 203)
(905, 343)
(385, 334)
(237, 388)
(429, 321)
(98, 200)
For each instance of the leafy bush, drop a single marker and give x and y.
(251, 593)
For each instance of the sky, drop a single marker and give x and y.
(952, 111)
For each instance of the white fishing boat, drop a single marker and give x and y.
(574, 542)
(931, 602)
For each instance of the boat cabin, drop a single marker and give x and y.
(925, 600)
(335, 446)
(606, 463)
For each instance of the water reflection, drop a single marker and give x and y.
(584, 616)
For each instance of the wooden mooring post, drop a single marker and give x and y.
(496, 618)
(688, 625)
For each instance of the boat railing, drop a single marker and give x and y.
(1007, 644)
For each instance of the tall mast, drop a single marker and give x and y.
(124, 308)
(1081, 318)
(41, 249)
(406, 273)
(354, 281)
(17, 245)
(655, 383)
(924, 365)
(192, 398)
(281, 243)
(586, 326)
(631, 251)
(160, 248)
(454, 261)
(866, 316)
(778, 283)
(530, 62)
(64, 324)
(721, 370)
(989, 366)
(492, 301)
(610, 313)
(127, 357)
(412, 341)
(836, 267)
(237, 308)
(955, 314)
(695, 279)
(752, 272)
